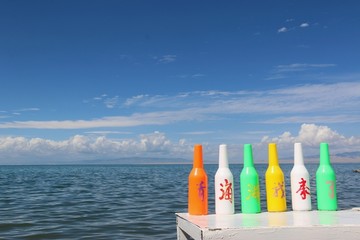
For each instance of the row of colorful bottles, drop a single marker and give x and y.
(250, 188)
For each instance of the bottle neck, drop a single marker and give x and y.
(298, 155)
(324, 154)
(223, 158)
(273, 156)
(198, 156)
(248, 156)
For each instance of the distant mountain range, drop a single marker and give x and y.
(346, 157)
(349, 154)
(137, 160)
(351, 157)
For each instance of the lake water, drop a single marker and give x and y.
(120, 201)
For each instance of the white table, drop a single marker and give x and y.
(292, 225)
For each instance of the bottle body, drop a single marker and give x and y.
(300, 189)
(198, 185)
(224, 191)
(326, 182)
(249, 184)
(275, 183)
(326, 188)
(250, 190)
(198, 192)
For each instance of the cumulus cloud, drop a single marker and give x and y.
(158, 145)
(311, 135)
(80, 147)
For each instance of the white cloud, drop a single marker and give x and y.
(283, 29)
(311, 135)
(137, 119)
(198, 75)
(290, 25)
(158, 145)
(198, 133)
(195, 75)
(289, 71)
(166, 58)
(315, 119)
(106, 132)
(111, 102)
(17, 112)
(296, 67)
(27, 109)
(134, 100)
(321, 102)
(81, 147)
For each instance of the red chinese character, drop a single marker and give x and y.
(303, 188)
(226, 191)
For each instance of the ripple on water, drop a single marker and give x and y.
(116, 202)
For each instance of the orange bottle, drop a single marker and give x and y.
(198, 185)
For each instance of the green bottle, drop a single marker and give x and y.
(249, 184)
(326, 182)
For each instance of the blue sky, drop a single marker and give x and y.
(85, 80)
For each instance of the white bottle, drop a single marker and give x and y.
(224, 185)
(300, 182)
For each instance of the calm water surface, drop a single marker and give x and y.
(119, 201)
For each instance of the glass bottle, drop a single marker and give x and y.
(275, 183)
(326, 182)
(300, 182)
(249, 184)
(224, 184)
(198, 185)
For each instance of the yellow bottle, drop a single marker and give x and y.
(275, 183)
